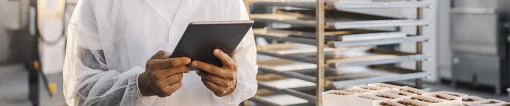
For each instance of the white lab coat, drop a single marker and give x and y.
(109, 42)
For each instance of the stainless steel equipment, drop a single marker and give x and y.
(479, 46)
(14, 18)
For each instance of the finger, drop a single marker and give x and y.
(161, 55)
(173, 71)
(169, 62)
(217, 90)
(233, 55)
(214, 79)
(180, 61)
(174, 78)
(172, 88)
(211, 69)
(225, 59)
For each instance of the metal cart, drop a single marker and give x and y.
(320, 21)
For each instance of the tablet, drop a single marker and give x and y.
(201, 38)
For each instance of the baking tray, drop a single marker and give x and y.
(367, 39)
(285, 65)
(347, 77)
(287, 83)
(288, 48)
(372, 74)
(337, 23)
(297, 48)
(330, 35)
(279, 100)
(341, 4)
(372, 57)
(332, 15)
(288, 86)
(276, 97)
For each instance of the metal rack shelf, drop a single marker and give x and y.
(281, 35)
(364, 5)
(331, 72)
(373, 74)
(339, 5)
(339, 24)
(408, 39)
(379, 57)
(289, 91)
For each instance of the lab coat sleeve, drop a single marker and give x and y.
(87, 78)
(247, 67)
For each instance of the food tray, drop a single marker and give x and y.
(488, 102)
(285, 65)
(288, 87)
(422, 101)
(452, 100)
(287, 83)
(330, 35)
(280, 100)
(345, 4)
(348, 78)
(388, 96)
(337, 98)
(336, 23)
(366, 39)
(389, 103)
(469, 100)
(393, 91)
(366, 100)
(412, 90)
(373, 57)
(297, 48)
(372, 74)
(452, 93)
(384, 85)
(372, 88)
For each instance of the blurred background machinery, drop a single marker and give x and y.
(479, 43)
(32, 36)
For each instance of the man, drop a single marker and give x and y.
(118, 54)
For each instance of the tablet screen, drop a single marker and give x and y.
(201, 38)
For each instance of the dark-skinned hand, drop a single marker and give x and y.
(163, 75)
(221, 81)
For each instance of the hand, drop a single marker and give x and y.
(221, 81)
(163, 75)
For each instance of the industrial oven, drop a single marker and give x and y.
(479, 42)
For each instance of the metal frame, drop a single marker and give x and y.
(319, 16)
(321, 24)
(419, 46)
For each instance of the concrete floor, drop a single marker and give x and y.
(14, 88)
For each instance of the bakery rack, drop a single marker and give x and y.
(338, 17)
